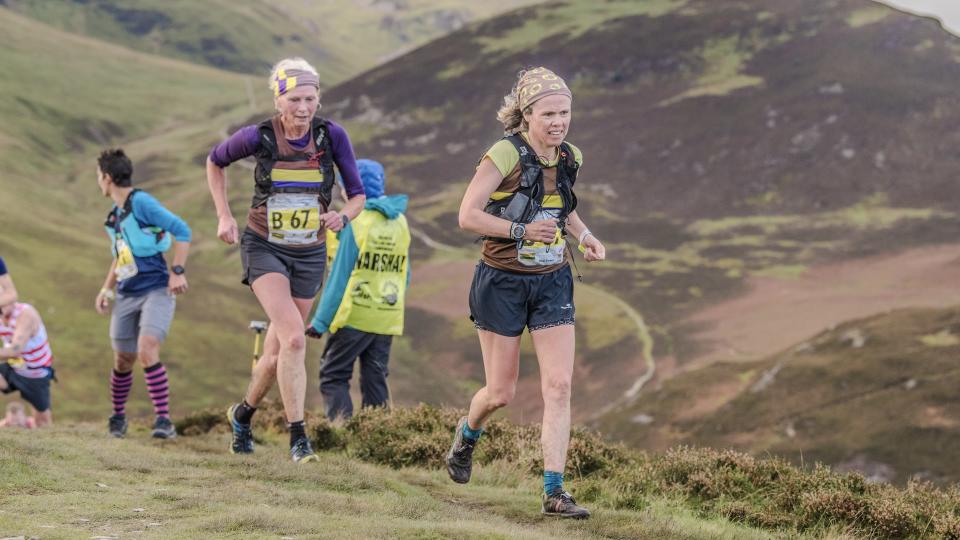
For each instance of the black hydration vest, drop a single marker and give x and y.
(268, 155)
(522, 205)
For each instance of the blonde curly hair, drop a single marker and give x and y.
(510, 113)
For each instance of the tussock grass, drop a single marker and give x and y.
(768, 494)
(76, 482)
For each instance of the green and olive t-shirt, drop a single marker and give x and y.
(503, 255)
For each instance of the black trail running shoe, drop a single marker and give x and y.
(117, 426)
(242, 442)
(302, 452)
(561, 504)
(163, 428)
(460, 456)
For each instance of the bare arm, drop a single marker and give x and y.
(351, 209)
(217, 182)
(354, 206)
(177, 284)
(473, 218)
(593, 249)
(8, 293)
(106, 292)
(27, 324)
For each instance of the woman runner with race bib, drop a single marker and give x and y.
(282, 247)
(521, 200)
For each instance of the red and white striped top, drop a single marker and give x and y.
(37, 356)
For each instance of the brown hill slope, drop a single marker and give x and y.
(695, 108)
(722, 141)
(700, 121)
(876, 395)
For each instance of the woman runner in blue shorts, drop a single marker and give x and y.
(521, 200)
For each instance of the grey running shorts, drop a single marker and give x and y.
(148, 314)
(304, 267)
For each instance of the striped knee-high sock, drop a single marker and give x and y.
(156, 376)
(120, 385)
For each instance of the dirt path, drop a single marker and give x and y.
(777, 313)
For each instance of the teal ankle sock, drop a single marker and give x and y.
(552, 481)
(472, 434)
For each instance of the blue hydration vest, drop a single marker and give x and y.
(143, 241)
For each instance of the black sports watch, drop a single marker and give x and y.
(517, 230)
(178, 269)
(345, 219)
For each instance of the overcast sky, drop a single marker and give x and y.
(947, 11)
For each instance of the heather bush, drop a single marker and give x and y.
(767, 493)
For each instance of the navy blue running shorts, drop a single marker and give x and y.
(36, 392)
(505, 302)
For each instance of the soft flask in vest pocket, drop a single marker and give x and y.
(143, 241)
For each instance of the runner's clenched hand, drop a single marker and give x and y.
(544, 230)
(177, 284)
(227, 229)
(102, 303)
(593, 249)
(332, 221)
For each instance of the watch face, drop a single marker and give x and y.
(178, 270)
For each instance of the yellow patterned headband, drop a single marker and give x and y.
(287, 80)
(538, 83)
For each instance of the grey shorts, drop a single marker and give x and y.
(303, 267)
(145, 315)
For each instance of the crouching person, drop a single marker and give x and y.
(26, 361)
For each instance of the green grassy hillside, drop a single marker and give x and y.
(82, 95)
(342, 37)
(707, 162)
(380, 476)
(167, 114)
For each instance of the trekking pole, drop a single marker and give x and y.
(258, 327)
(389, 396)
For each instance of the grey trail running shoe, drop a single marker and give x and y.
(460, 456)
(302, 452)
(561, 504)
(242, 442)
(117, 426)
(163, 428)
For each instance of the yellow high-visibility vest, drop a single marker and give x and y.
(374, 298)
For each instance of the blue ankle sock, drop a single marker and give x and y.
(472, 434)
(552, 481)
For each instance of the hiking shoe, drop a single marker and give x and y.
(460, 456)
(117, 426)
(302, 452)
(561, 504)
(163, 428)
(242, 442)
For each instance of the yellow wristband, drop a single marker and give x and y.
(107, 293)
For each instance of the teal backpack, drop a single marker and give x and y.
(143, 241)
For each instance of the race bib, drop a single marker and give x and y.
(16, 363)
(530, 253)
(293, 218)
(126, 264)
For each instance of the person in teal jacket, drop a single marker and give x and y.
(362, 303)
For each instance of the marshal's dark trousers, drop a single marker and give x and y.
(336, 368)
